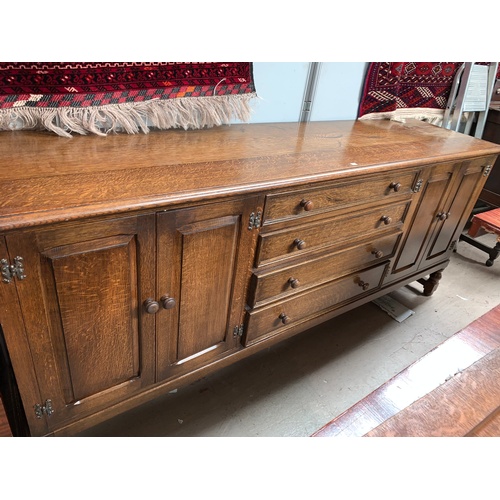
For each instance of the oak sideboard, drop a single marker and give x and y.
(134, 264)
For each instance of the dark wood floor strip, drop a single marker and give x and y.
(454, 409)
(456, 354)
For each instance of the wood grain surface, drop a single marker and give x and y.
(454, 390)
(90, 175)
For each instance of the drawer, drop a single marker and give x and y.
(267, 321)
(299, 240)
(300, 203)
(281, 283)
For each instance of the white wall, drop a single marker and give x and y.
(281, 86)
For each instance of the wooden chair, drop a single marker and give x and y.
(485, 222)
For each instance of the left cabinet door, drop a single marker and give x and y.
(90, 336)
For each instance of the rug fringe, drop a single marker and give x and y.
(132, 118)
(433, 116)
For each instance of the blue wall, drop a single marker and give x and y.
(281, 86)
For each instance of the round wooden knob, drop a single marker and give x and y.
(307, 205)
(300, 244)
(284, 318)
(151, 306)
(395, 185)
(167, 302)
(294, 282)
(386, 219)
(378, 253)
(364, 285)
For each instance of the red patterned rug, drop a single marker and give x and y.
(84, 97)
(398, 90)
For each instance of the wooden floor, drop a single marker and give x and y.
(454, 390)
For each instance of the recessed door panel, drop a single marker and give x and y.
(101, 334)
(209, 254)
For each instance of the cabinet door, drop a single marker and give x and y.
(91, 341)
(16, 368)
(204, 261)
(436, 183)
(451, 220)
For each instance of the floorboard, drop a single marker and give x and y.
(451, 374)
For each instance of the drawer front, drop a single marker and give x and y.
(272, 319)
(295, 241)
(300, 203)
(281, 283)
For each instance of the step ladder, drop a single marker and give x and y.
(470, 97)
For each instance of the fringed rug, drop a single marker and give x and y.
(100, 98)
(399, 90)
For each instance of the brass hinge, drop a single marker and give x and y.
(254, 220)
(238, 331)
(10, 271)
(487, 170)
(45, 408)
(453, 246)
(418, 186)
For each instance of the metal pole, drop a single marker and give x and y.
(310, 90)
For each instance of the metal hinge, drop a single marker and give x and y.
(254, 220)
(45, 408)
(418, 186)
(10, 271)
(487, 170)
(238, 331)
(453, 246)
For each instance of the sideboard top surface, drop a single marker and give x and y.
(46, 178)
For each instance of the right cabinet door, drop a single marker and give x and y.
(448, 194)
(435, 185)
(204, 261)
(450, 222)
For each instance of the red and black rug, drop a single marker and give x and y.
(85, 97)
(398, 90)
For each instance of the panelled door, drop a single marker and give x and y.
(91, 338)
(435, 187)
(453, 218)
(204, 263)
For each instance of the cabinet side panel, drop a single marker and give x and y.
(101, 333)
(208, 264)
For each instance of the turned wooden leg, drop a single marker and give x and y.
(493, 253)
(431, 283)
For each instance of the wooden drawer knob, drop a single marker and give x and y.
(300, 244)
(396, 186)
(443, 215)
(378, 253)
(284, 318)
(294, 282)
(363, 285)
(386, 219)
(167, 302)
(151, 306)
(307, 205)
